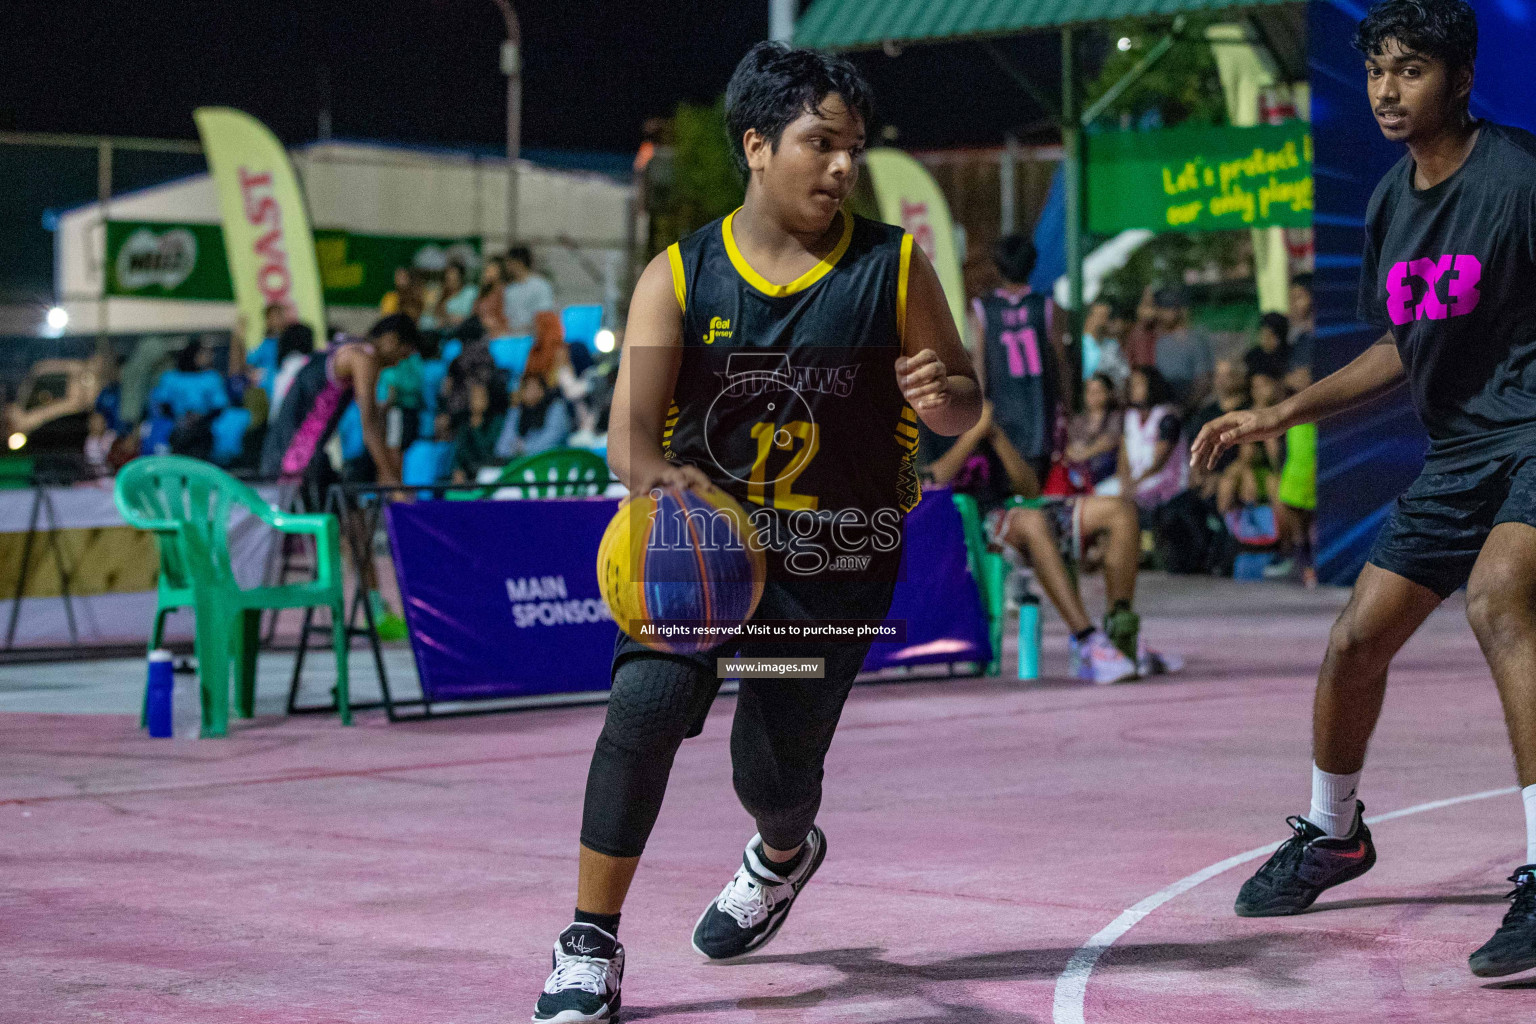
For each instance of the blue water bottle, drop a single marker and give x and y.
(157, 705)
(1029, 634)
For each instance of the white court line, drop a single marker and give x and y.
(1072, 985)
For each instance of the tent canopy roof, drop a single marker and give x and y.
(860, 24)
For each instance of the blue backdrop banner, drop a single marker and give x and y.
(1367, 457)
(502, 600)
(501, 596)
(937, 596)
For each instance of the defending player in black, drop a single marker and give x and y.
(784, 354)
(1450, 275)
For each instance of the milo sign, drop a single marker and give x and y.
(150, 260)
(167, 261)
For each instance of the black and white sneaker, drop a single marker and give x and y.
(1305, 865)
(584, 985)
(1513, 947)
(752, 908)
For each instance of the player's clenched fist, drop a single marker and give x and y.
(923, 379)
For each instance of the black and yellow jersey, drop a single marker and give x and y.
(787, 396)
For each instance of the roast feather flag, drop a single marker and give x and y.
(266, 230)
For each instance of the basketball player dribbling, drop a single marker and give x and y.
(842, 328)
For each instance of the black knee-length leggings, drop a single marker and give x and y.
(779, 739)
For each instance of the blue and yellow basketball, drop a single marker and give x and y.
(678, 569)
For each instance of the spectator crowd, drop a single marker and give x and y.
(458, 374)
(1134, 395)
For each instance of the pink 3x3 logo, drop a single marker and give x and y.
(1455, 276)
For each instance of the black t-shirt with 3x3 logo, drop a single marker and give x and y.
(787, 396)
(1451, 272)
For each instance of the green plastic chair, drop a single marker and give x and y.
(557, 473)
(990, 571)
(186, 504)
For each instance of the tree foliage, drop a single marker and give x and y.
(1183, 85)
(701, 182)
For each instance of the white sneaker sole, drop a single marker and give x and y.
(773, 930)
(607, 1013)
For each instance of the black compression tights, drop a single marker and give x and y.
(779, 743)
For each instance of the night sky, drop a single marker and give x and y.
(427, 71)
(423, 72)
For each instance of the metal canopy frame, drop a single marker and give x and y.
(1073, 121)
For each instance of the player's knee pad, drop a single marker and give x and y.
(652, 704)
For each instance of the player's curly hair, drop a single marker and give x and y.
(1443, 29)
(774, 84)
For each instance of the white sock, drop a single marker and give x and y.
(1333, 802)
(1528, 794)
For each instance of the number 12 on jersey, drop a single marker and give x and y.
(771, 436)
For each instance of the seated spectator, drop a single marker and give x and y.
(155, 432)
(983, 463)
(1252, 477)
(1303, 329)
(1183, 352)
(475, 442)
(434, 372)
(123, 451)
(1231, 395)
(227, 432)
(456, 298)
(471, 328)
(400, 397)
(580, 356)
(429, 460)
(295, 345)
(474, 361)
(550, 356)
(540, 420)
(1271, 357)
(1094, 436)
(493, 321)
(194, 387)
(109, 400)
(600, 379)
(407, 296)
(526, 292)
(1153, 456)
(1139, 342)
(262, 361)
(1296, 505)
(98, 445)
(1102, 330)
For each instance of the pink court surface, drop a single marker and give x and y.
(998, 852)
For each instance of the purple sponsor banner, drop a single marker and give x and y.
(501, 596)
(937, 596)
(502, 600)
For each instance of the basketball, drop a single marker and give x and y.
(679, 570)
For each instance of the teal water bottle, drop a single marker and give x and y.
(1029, 634)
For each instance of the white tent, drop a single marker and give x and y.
(577, 224)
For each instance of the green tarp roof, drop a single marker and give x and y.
(852, 24)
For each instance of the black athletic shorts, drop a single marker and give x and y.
(1437, 530)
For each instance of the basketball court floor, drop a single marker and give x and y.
(999, 852)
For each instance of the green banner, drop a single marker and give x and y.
(154, 260)
(357, 269)
(167, 261)
(1201, 179)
